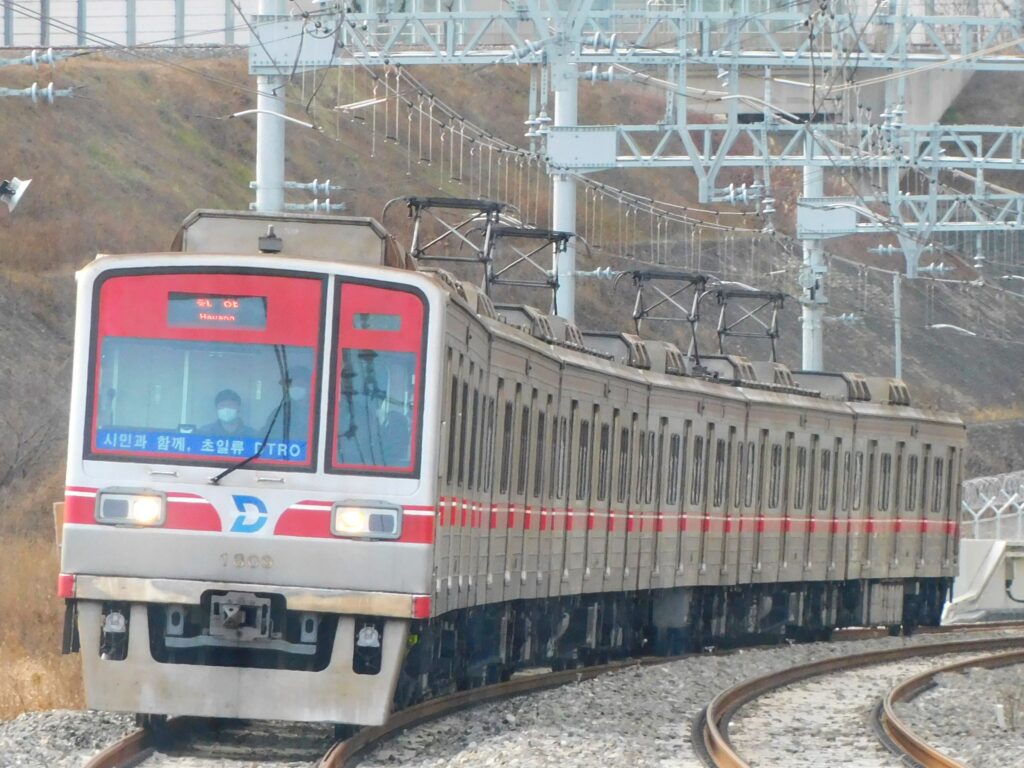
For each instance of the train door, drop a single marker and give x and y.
(537, 433)
(443, 529)
(934, 514)
(914, 511)
(952, 503)
(693, 504)
(747, 498)
(598, 507)
(633, 500)
(497, 518)
(790, 568)
(665, 532)
(900, 563)
(813, 528)
(514, 479)
(675, 498)
(618, 503)
(461, 492)
(773, 519)
(553, 528)
(855, 479)
(711, 512)
(880, 506)
(731, 506)
(761, 472)
(449, 503)
(578, 493)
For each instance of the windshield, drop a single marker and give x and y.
(203, 369)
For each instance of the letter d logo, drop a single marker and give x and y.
(252, 514)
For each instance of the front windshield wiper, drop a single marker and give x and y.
(282, 364)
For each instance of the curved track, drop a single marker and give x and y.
(711, 734)
(902, 736)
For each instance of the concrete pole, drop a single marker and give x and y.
(563, 193)
(270, 130)
(812, 274)
(897, 321)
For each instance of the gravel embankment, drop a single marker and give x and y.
(637, 718)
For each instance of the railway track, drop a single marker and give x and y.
(902, 737)
(711, 729)
(133, 749)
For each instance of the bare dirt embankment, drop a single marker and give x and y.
(116, 171)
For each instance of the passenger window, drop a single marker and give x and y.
(774, 480)
(623, 490)
(538, 465)
(885, 479)
(801, 478)
(524, 451)
(697, 479)
(674, 451)
(453, 413)
(826, 479)
(751, 475)
(938, 486)
(583, 462)
(506, 447)
(604, 456)
(912, 483)
(858, 479)
(719, 493)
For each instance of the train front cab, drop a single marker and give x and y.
(272, 572)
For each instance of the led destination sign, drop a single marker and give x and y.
(195, 310)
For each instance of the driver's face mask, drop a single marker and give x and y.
(227, 414)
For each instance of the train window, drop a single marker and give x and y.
(674, 451)
(488, 445)
(697, 479)
(538, 464)
(564, 454)
(661, 458)
(453, 411)
(950, 464)
(774, 480)
(937, 486)
(926, 462)
(643, 468)
(524, 449)
(801, 478)
(826, 479)
(719, 492)
(912, 483)
(897, 490)
(463, 422)
(378, 383)
(858, 479)
(652, 463)
(471, 480)
(751, 476)
(624, 453)
(604, 454)
(206, 369)
(847, 475)
(583, 462)
(885, 479)
(506, 447)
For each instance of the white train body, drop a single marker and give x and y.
(452, 495)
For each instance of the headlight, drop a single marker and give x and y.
(131, 508)
(367, 521)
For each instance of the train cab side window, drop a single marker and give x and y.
(912, 483)
(603, 459)
(775, 478)
(507, 429)
(885, 480)
(583, 462)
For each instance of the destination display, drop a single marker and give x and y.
(192, 444)
(195, 310)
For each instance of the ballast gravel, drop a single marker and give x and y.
(637, 717)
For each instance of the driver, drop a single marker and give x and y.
(229, 422)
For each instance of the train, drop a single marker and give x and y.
(310, 480)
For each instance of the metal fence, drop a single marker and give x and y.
(993, 507)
